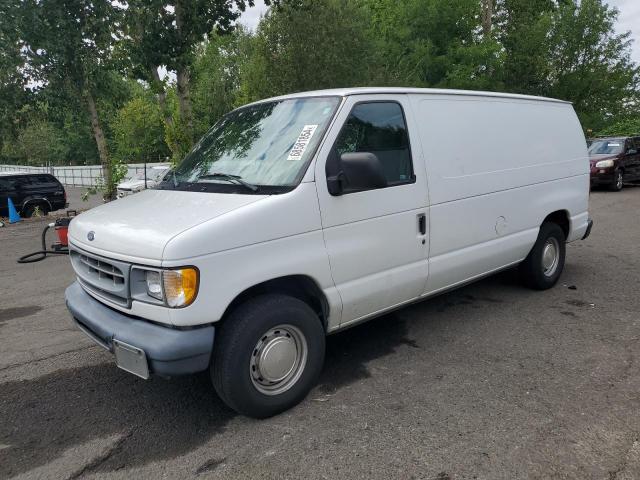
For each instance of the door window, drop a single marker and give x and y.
(379, 128)
(7, 184)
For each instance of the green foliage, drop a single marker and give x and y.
(309, 44)
(626, 127)
(39, 143)
(433, 43)
(75, 71)
(591, 64)
(139, 131)
(216, 76)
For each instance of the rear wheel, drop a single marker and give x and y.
(30, 209)
(617, 182)
(267, 355)
(544, 264)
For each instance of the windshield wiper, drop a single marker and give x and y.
(230, 178)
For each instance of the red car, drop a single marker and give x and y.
(614, 161)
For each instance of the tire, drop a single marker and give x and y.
(544, 264)
(29, 209)
(44, 209)
(286, 328)
(618, 177)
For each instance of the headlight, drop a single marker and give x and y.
(154, 284)
(177, 288)
(180, 286)
(604, 164)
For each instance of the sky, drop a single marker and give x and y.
(629, 20)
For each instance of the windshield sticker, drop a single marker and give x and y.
(297, 151)
(613, 144)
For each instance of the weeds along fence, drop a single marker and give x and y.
(77, 176)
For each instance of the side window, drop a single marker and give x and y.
(7, 184)
(28, 180)
(379, 128)
(47, 181)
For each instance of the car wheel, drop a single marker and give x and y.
(28, 210)
(267, 355)
(617, 183)
(544, 264)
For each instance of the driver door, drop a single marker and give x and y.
(377, 240)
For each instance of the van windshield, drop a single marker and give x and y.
(606, 147)
(263, 148)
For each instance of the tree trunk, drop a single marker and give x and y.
(183, 78)
(101, 142)
(487, 17)
(162, 95)
(184, 100)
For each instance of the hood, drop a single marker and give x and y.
(141, 225)
(133, 184)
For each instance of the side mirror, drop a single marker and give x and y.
(359, 171)
(632, 151)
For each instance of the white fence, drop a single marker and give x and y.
(77, 176)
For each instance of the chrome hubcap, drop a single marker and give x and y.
(550, 256)
(619, 180)
(278, 360)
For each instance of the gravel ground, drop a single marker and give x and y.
(492, 381)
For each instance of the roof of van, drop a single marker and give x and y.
(402, 90)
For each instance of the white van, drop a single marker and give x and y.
(298, 216)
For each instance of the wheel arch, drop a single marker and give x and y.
(36, 200)
(560, 218)
(302, 287)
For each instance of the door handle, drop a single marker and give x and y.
(422, 223)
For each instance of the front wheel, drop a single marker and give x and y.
(617, 183)
(544, 264)
(267, 355)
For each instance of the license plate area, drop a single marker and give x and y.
(131, 359)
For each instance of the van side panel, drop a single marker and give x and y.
(475, 146)
(470, 239)
(496, 168)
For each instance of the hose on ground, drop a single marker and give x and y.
(42, 254)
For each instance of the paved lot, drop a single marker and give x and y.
(490, 382)
(74, 197)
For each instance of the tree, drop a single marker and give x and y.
(434, 43)
(138, 131)
(590, 64)
(309, 44)
(525, 26)
(69, 44)
(626, 127)
(40, 143)
(13, 92)
(166, 33)
(216, 76)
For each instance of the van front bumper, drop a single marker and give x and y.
(169, 351)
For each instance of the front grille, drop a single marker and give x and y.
(102, 269)
(102, 276)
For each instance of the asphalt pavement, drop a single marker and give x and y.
(492, 381)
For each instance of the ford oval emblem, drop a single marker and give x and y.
(91, 235)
